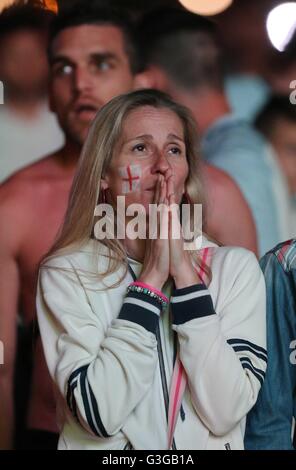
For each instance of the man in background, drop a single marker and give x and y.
(28, 130)
(182, 57)
(277, 122)
(92, 59)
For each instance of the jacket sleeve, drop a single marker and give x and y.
(269, 422)
(223, 352)
(103, 371)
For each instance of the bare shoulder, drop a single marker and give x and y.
(22, 194)
(44, 168)
(223, 188)
(28, 183)
(220, 179)
(229, 218)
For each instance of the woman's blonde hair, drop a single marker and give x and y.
(95, 159)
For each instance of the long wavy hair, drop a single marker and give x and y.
(95, 159)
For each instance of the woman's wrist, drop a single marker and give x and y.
(152, 280)
(148, 290)
(144, 286)
(186, 277)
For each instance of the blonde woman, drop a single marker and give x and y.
(150, 346)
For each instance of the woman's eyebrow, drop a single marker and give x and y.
(142, 136)
(150, 137)
(174, 136)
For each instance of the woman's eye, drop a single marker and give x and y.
(175, 150)
(139, 148)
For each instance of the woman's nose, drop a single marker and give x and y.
(161, 163)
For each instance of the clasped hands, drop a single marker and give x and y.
(166, 257)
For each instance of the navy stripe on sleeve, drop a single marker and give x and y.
(89, 401)
(72, 385)
(86, 405)
(244, 345)
(247, 364)
(141, 309)
(77, 372)
(246, 359)
(71, 398)
(144, 297)
(190, 303)
(188, 290)
(96, 413)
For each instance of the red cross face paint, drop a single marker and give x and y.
(131, 178)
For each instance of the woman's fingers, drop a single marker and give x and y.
(163, 190)
(156, 263)
(170, 185)
(157, 190)
(164, 187)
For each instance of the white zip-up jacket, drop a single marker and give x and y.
(111, 354)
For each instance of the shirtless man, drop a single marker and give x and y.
(91, 62)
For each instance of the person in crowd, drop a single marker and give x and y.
(247, 55)
(277, 122)
(128, 374)
(93, 57)
(182, 57)
(270, 423)
(28, 130)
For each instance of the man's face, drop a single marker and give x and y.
(89, 67)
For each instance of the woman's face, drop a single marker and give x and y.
(151, 142)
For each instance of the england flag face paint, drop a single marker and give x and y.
(131, 178)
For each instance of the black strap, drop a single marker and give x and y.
(133, 274)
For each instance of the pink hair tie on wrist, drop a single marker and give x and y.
(152, 289)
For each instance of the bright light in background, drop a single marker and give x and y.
(5, 3)
(206, 7)
(281, 23)
(49, 4)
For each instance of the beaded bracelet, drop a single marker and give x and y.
(161, 299)
(153, 289)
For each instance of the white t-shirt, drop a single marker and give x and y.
(23, 142)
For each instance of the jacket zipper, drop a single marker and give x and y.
(161, 364)
(163, 378)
